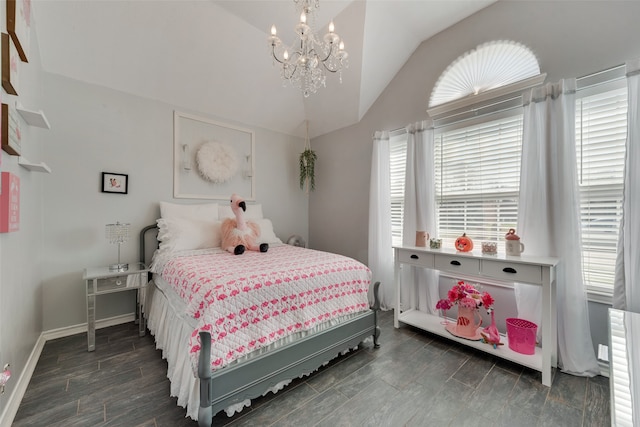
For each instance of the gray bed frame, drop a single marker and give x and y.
(251, 379)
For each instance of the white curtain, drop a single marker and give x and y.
(380, 250)
(549, 221)
(626, 292)
(420, 211)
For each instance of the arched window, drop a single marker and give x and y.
(477, 107)
(489, 66)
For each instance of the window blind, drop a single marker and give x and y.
(477, 180)
(398, 159)
(601, 131)
(619, 364)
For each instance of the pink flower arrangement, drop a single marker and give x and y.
(466, 295)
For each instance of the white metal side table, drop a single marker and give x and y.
(101, 280)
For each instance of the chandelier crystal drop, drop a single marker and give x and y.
(306, 63)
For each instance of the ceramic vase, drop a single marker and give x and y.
(469, 321)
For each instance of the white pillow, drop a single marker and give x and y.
(177, 234)
(200, 212)
(185, 227)
(253, 212)
(267, 235)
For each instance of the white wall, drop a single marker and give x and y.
(63, 214)
(95, 129)
(570, 39)
(21, 251)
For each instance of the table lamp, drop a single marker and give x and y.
(118, 233)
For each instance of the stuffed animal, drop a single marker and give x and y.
(490, 334)
(239, 234)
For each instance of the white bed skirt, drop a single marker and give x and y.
(172, 332)
(172, 337)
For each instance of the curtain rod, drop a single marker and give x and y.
(398, 130)
(606, 70)
(600, 77)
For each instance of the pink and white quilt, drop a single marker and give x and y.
(252, 300)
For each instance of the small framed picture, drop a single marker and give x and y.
(115, 183)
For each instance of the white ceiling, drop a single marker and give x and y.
(213, 57)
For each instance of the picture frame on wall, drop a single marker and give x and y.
(9, 202)
(115, 183)
(10, 137)
(10, 65)
(19, 25)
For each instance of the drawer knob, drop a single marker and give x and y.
(414, 256)
(509, 270)
(454, 262)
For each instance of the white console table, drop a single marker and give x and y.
(523, 269)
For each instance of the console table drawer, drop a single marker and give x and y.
(512, 272)
(457, 264)
(419, 259)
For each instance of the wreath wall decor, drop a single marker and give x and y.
(217, 162)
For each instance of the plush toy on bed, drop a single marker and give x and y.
(239, 234)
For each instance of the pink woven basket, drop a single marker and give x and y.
(521, 335)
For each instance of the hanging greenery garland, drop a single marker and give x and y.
(307, 169)
(307, 165)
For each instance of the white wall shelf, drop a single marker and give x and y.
(34, 167)
(33, 118)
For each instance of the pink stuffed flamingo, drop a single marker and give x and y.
(490, 334)
(239, 234)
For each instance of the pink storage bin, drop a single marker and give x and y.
(521, 335)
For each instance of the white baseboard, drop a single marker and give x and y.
(13, 403)
(82, 328)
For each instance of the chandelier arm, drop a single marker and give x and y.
(273, 53)
(329, 55)
(324, 64)
(290, 76)
(323, 61)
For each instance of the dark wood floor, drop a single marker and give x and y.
(413, 379)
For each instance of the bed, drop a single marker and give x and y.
(235, 327)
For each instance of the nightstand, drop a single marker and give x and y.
(101, 280)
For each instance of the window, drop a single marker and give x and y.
(478, 147)
(398, 160)
(477, 180)
(601, 131)
(478, 173)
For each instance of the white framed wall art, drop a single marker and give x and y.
(212, 160)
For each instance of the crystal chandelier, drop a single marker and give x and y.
(305, 64)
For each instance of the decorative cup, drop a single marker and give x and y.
(435, 243)
(514, 247)
(421, 238)
(489, 248)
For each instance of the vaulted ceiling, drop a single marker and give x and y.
(212, 57)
